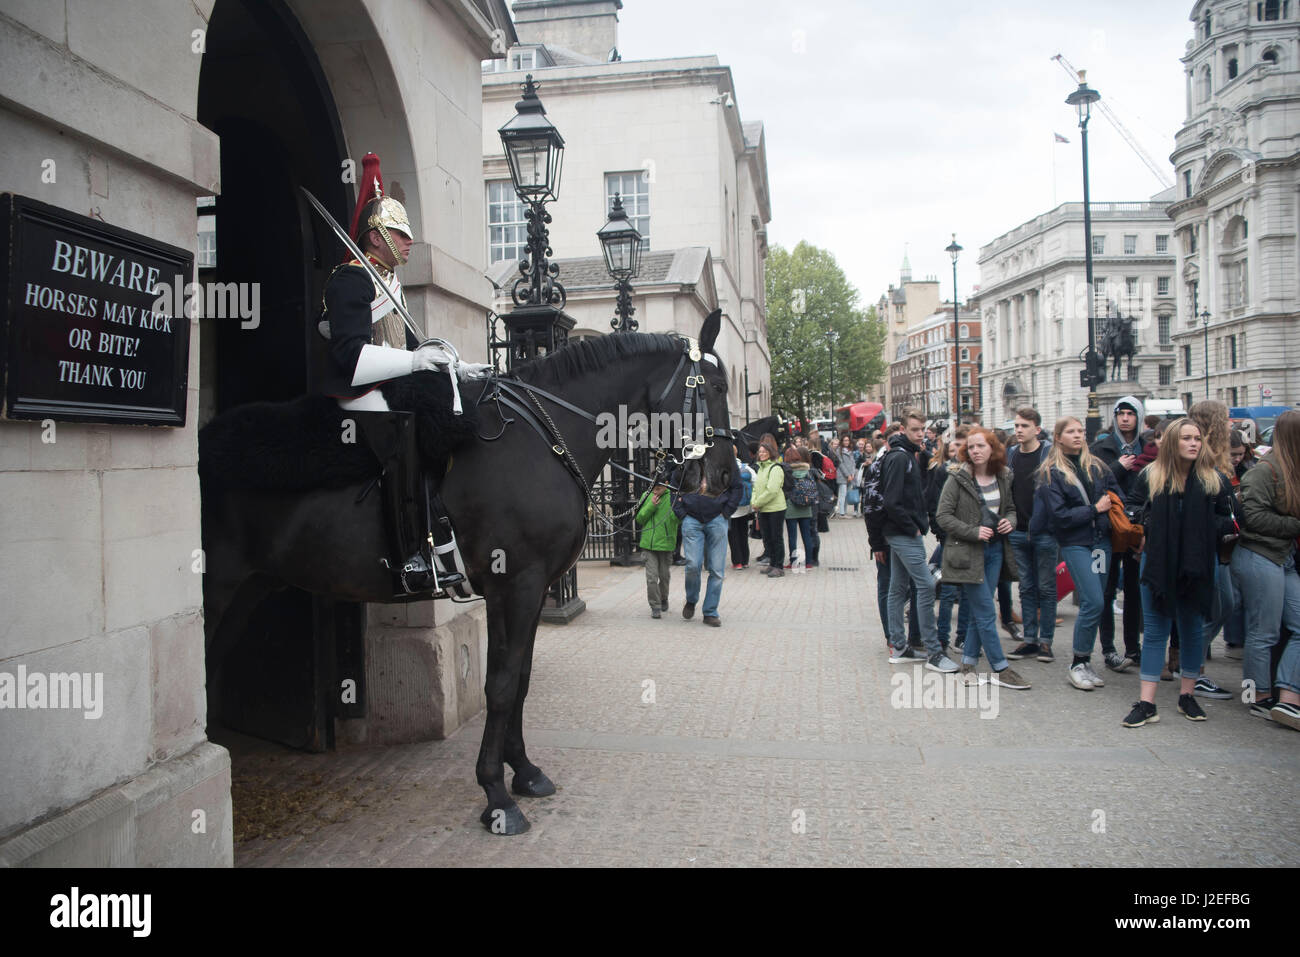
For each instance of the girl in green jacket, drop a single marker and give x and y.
(768, 501)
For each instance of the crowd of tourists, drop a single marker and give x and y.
(1179, 528)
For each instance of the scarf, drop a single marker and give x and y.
(1180, 549)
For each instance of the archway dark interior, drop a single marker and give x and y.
(262, 91)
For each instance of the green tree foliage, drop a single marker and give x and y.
(809, 297)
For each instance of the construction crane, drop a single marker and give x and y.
(1120, 128)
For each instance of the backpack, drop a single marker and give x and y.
(826, 494)
(747, 480)
(828, 468)
(804, 491)
(872, 501)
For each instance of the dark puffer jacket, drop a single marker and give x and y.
(902, 489)
(1068, 516)
(958, 514)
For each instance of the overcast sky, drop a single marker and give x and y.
(902, 123)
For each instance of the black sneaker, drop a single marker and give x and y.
(655, 612)
(1263, 707)
(1028, 649)
(1045, 654)
(1142, 713)
(1206, 688)
(1188, 707)
(688, 610)
(905, 656)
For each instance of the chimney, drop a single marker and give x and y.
(589, 27)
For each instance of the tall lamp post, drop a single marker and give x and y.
(1082, 100)
(832, 337)
(954, 251)
(537, 325)
(621, 243)
(749, 342)
(1205, 330)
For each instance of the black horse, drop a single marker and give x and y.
(520, 515)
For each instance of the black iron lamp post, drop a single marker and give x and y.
(537, 325)
(1205, 330)
(1082, 100)
(832, 337)
(749, 342)
(621, 243)
(953, 250)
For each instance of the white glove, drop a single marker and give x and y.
(429, 358)
(473, 370)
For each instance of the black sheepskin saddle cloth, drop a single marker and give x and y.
(303, 444)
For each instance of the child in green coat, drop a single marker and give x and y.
(658, 538)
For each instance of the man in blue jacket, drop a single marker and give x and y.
(705, 518)
(904, 524)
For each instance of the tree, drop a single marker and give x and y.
(808, 297)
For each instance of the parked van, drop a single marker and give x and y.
(1262, 418)
(1167, 409)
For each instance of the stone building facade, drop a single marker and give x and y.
(1235, 217)
(136, 116)
(1033, 300)
(900, 308)
(920, 376)
(667, 135)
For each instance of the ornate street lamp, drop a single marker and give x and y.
(537, 325)
(832, 337)
(1205, 330)
(953, 250)
(621, 243)
(535, 153)
(1082, 100)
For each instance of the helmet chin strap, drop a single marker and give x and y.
(398, 258)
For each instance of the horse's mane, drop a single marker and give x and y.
(589, 355)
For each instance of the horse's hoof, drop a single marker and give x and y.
(505, 820)
(539, 786)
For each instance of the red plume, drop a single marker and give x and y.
(370, 177)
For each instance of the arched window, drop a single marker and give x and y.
(965, 331)
(1270, 56)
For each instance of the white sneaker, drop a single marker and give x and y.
(1078, 676)
(1093, 676)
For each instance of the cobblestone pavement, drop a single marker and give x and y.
(774, 740)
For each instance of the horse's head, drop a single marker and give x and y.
(708, 453)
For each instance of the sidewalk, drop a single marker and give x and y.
(775, 740)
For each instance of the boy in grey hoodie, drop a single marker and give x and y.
(1119, 449)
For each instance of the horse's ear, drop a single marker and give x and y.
(709, 331)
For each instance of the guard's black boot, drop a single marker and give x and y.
(392, 438)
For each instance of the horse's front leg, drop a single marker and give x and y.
(529, 780)
(513, 609)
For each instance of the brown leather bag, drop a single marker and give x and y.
(1124, 535)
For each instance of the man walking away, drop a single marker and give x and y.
(905, 524)
(705, 517)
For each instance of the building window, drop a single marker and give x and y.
(1162, 329)
(1099, 245)
(965, 355)
(1208, 29)
(1270, 56)
(964, 331)
(965, 376)
(1232, 352)
(1187, 184)
(523, 60)
(1099, 299)
(1191, 238)
(1187, 360)
(1232, 68)
(1162, 285)
(1268, 10)
(635, 190)
(1236, 289)
(1130, 245)
(1232, 396)
(1130, 285)
(1166, 375)
(1187, 400)
(1162, 242)
(507, 230)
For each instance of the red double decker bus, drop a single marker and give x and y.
(859, 419)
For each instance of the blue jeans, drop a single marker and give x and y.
(907, 558)
(1288, 669)
(1155, 637)
(1036, 564)
(803, 527)
(1088, 567)
(984, 633)
(1232, 616)
(704, 543)
(1271, 596)
(882, 599)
